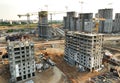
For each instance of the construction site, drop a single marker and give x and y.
(84, 49)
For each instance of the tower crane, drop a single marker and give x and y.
(81, 3)
(96, 20)
(28, 17)
(51, 13)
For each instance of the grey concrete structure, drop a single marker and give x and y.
(84, 50)
(43, 24)
(21, 58)
(116, 27)
(106, 25)
(105, 13)
(86, 21)
(83, 23)
(70, 21)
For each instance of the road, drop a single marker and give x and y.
(112, 37)
(42, 43)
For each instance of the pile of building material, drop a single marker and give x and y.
(109, 77)
(17, 37)
(45, 63)
(43, 27)
(57, 33)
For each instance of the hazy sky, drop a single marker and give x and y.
(10, 8)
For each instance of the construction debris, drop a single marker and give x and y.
(109, 77)
(45, 62)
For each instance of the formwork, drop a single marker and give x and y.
(84, 49)
(108, 25)
(44, 29)
(21, 58)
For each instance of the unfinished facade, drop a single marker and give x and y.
(82, 23)
(106, 25)
(21, 58)
(69, 21)
(86, 22)
(44, 29)
(116, 27)
(84, 50)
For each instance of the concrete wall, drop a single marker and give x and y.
(84, 49)
(21, 58)
(107, 25)
(116, 27)
(73, 23)
(88, 26)
(85, 17)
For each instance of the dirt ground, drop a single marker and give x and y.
(4, 73)
(56, 54)
(52, 75)
(70, 71)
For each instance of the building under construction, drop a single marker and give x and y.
(70, 21)
(106, 26)
(84, 50)
(83, 23)
(44, 29)
(87, 23)
(21, 58)
(116, 27)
